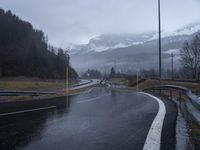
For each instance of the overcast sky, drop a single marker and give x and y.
(76, 21)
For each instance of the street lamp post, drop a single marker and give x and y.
(172, 66)
(159, 30)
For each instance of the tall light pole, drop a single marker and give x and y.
(159, 30)
(172, 66)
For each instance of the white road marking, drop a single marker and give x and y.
(25, 111)
(90, 90)
(153, 139)
(93, 99)
(94, 82)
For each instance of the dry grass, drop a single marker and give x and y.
(175, 94)
(29, 84)
(195, 134)
(26, 85)
(121, 81)
(34, 84)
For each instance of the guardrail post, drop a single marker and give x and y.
(180, 96)
(170, 94)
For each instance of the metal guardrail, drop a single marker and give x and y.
(193, 103)
(182, 90)
(18, 93)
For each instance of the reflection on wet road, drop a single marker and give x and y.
(100, 120)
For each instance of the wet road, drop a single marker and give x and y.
(102, 119)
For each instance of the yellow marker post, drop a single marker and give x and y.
(137, 82)
(67, 84)
(72, 82)
(67, 81)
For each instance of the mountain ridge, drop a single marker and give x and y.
(105, 42)
(143, 54)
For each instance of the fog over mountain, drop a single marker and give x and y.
(110, 41)
(130, 52)
(105, 33)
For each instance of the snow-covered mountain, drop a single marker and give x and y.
(110, 41)
(113, 41)
(129, 51)
(188, 30)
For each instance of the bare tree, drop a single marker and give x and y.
(190, 56)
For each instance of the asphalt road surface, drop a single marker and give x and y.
(102, 119)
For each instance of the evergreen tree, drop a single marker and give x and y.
(24, 51)
(112, 73)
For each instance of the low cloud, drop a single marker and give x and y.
(76, 21)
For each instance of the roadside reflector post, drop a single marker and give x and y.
(72, 79)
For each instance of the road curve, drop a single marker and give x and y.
(103, 119)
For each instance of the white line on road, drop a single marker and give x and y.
(93, 99)
(90, 90)
(25, 111)
(153, 139)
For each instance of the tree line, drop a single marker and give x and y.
(24, 51)
(190, 63)
(190, 57)
(92, 73)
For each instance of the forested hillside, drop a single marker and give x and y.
(24, 51)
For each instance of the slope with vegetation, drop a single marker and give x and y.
(24, 51)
